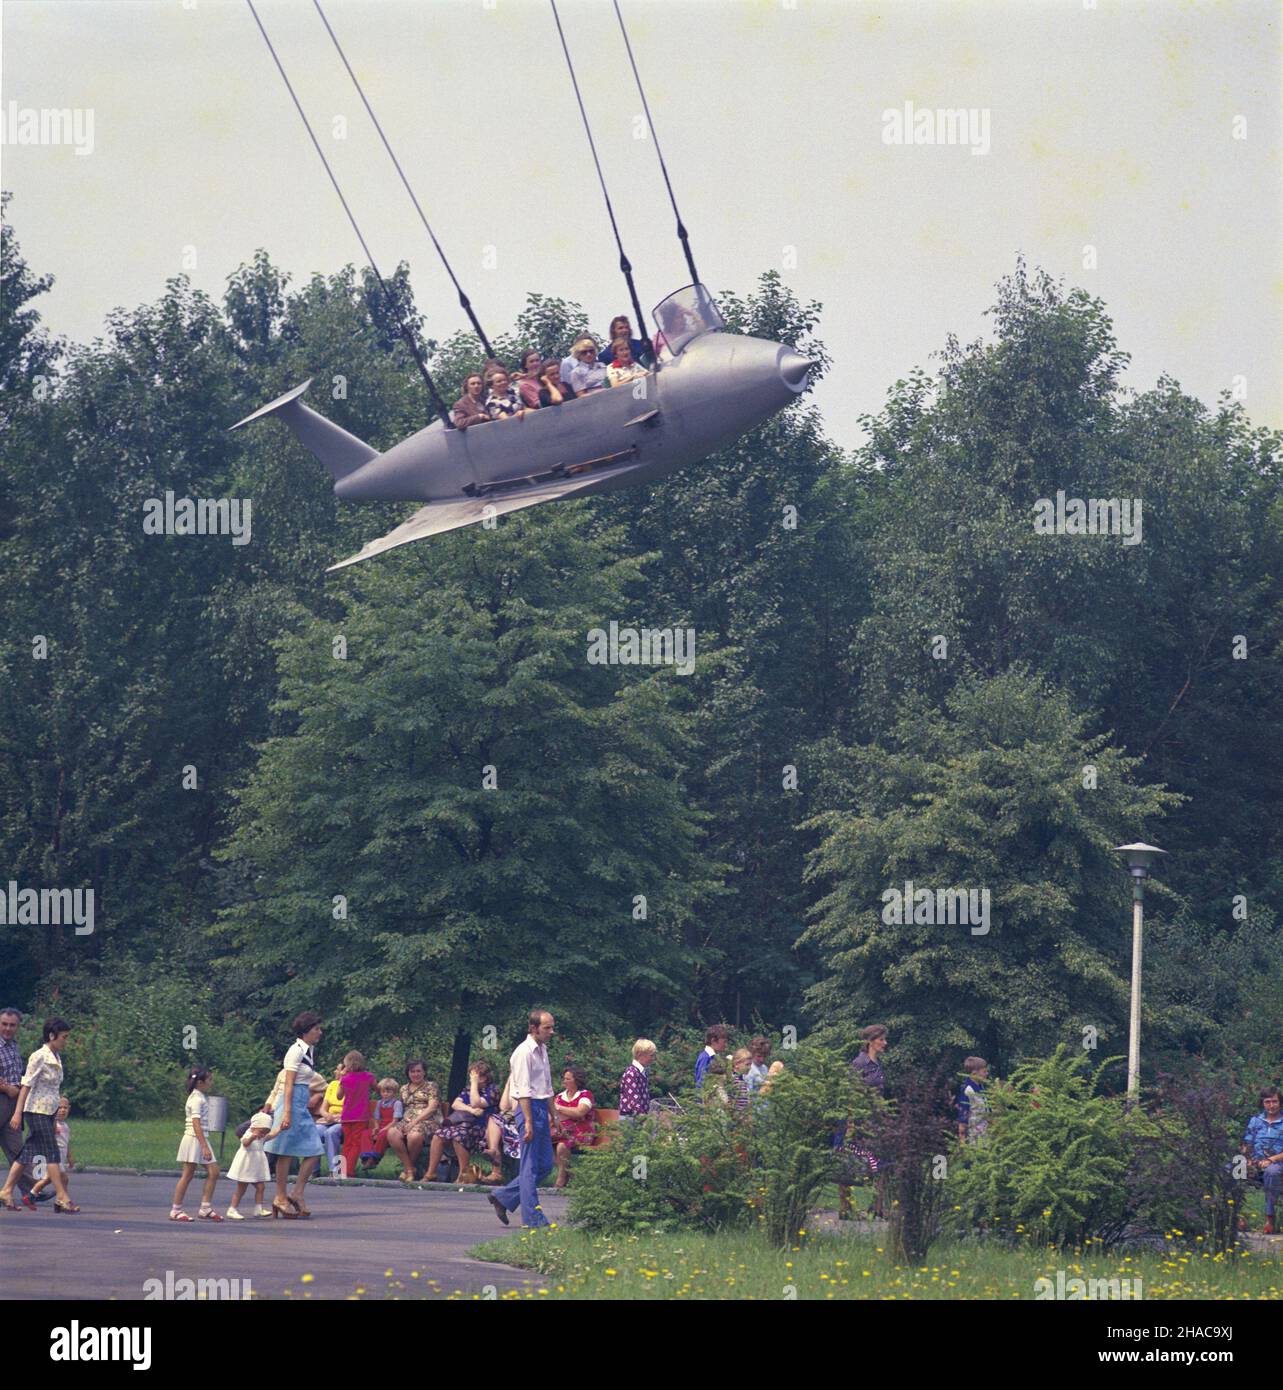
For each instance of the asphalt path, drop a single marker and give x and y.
(371, 1241)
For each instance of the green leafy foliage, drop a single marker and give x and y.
(987, 795)
(664, 1173)
(792, 1123)
(136, 1032)
(1052, 1167)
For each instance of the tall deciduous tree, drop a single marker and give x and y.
(1005, 792)
(503, 821)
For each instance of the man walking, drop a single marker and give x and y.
(11, 1069)
(530, 1088)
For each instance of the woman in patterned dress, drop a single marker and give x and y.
(502, 1135)
(469, 1119)
(420, 1120)
(575, 1114)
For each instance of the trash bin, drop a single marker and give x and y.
(216, 1122)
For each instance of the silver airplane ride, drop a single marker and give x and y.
(708, 388)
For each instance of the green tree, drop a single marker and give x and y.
(491, 807)
(1004, 792)
(1146, 633)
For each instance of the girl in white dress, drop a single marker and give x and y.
(194, 1148)
(250, 1165)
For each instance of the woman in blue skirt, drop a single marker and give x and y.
(298, 1137)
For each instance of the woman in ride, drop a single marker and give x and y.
(503, 402)
(621, 327)
(624, 368)
(552, 389)
(589, 374)
(470, 409)
(528, 378)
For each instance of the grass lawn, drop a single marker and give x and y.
(132, 1143)
(740, 1265)
(140, 1144)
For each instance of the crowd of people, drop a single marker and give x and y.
(498, 393)
(353, 1120)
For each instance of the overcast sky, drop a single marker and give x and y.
(1110, 126)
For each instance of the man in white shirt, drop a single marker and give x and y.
(530, 1088)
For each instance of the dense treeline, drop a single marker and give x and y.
(402, 794)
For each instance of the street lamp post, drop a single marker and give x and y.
(1140, 859)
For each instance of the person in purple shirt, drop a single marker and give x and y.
(634, 1085)
(867, 1066)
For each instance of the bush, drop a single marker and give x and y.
(667, 1173)
(912, 1135)
(136, 1030)
(710, 1167)
(791, 1132)
(1052, 1167)
(1184, 1176)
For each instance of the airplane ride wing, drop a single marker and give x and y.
(452, 513)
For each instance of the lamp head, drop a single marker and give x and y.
(1140, 857)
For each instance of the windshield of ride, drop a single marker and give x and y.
(683, 316)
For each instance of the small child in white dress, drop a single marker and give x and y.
(250, 1165)
(194, 1148)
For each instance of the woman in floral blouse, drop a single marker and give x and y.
(469, 1120)
(420, 1118)
(41, 1090)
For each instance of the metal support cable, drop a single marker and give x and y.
(464, 302)
(437, 402)
(624, 264)
(682, 233)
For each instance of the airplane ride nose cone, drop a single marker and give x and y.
(794, 370)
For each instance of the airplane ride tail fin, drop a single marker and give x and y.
(339, 452)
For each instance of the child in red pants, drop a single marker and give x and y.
(387, 1111)
(355, 1092)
